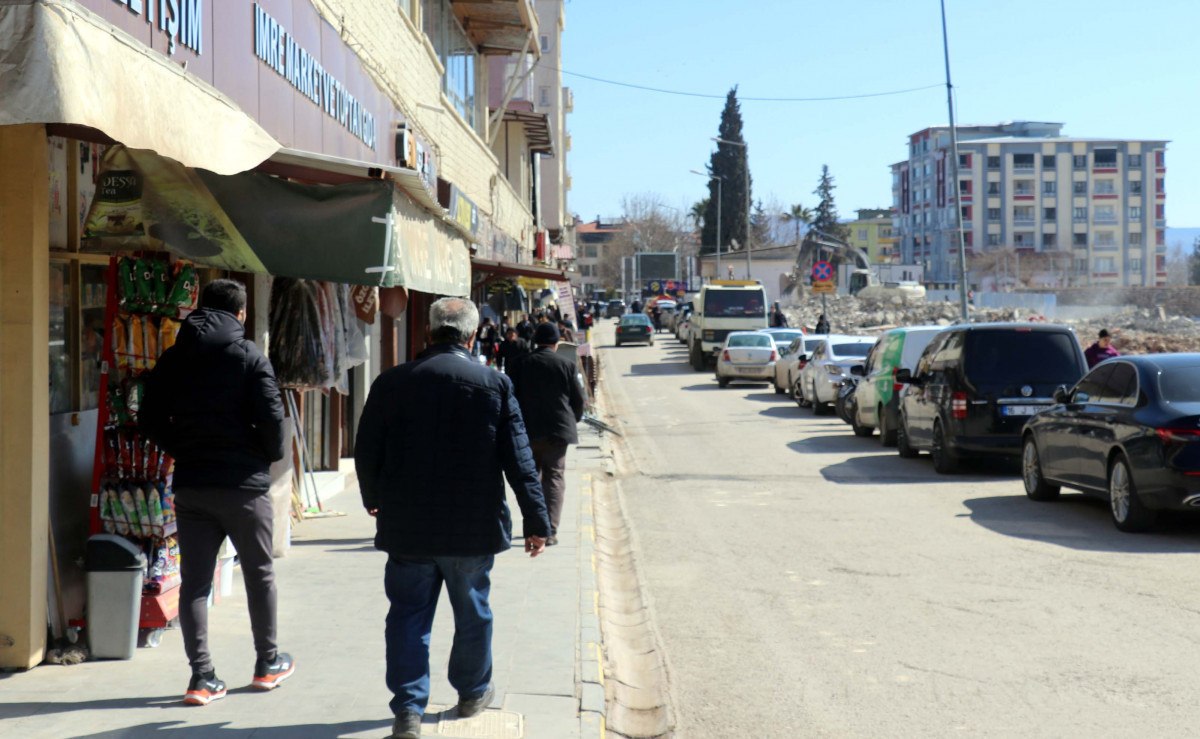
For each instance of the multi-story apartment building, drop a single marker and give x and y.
(592, 238)
(1097, 206)
(556, 101)
(874, 233)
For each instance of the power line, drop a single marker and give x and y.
(683, 93)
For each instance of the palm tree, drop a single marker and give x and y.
(798, 215)
(697, 212)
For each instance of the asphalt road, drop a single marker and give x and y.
(805, 582)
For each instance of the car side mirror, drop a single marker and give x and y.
(1080, 398)
(858, 370)
(1062, 395)
(803, 357)
(903, 375)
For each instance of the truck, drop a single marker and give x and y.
(861, 279)
(722, 307)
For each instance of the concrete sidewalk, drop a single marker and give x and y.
(332, 607)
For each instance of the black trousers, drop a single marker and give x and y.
(206, 516)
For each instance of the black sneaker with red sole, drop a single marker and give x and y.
(268, 675)
(204, 689)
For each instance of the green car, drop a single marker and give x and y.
(878, 404)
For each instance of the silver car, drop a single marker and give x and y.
(828, 365)
(747, 355)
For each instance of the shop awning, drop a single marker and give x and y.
(509, 269)
(305, 164)
(498, 26)
(61, 63)
(537, 125)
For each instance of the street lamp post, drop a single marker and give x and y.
(746, 166)
(719, 180)
(958, 222)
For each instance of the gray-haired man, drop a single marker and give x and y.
(437, 437)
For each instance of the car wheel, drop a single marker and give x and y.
(819, 408)
(798, 393)
(887, 436)
(723, 382)
(697, 356)
(778, 390)
(944, 461)
(618, 342)
(905, 449)
(1036, 486)
(1128, 512)
(859, 430)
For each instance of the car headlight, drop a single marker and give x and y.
(833, 369)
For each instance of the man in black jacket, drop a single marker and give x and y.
(512, 350)
(552, 403)
(438, 436)
(211, 402)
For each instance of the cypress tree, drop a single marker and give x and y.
(728, 162)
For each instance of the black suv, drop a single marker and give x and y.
(975, 385)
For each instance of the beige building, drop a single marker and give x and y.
(367, 93)
(872, 232)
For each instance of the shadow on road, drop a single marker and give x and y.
(887, 468)
(782, 411)
(770, 397)
(1080, 522)
(659, 368)
(845, 443)
(710, 385)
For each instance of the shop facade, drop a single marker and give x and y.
(275, 89)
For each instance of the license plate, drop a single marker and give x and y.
(1021, 410)
(750, 370)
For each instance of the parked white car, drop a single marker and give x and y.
(828, 365)
(746, 355)
(783, 336)
(791, 360)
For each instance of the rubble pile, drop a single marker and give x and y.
(1135, 330)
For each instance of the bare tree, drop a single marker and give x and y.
(650, 226)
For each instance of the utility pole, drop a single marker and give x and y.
(958, 230)
(719, 179)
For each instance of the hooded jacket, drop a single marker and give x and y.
(437, 437)
(211, 402)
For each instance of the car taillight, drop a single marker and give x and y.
(725, 356)
(896, 386)
(774, 356)
(958, 406)
(1178, 436)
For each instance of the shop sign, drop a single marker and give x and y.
(414, 152)
(459, 207)
(182, 20)
(279, 50)
(366, 302)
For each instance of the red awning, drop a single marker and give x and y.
(509, 269)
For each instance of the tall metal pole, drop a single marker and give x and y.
(749, 226)
(719, 179)
(962, 249)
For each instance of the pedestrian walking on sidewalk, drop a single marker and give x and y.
(211, 403)
(552, 402)
(437, 438)
(512, 350)
(778, 318)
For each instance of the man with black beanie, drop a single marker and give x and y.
(211, 402)
(552, 403)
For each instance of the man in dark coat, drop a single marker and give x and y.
(822, 326)
(511, 350)
(437, 438)
(552, 403)
(778, 318)
(211, 403)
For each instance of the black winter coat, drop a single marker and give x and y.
(550, 395)
(211, 402)
(438, 436)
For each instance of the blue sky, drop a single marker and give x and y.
(1105, 68)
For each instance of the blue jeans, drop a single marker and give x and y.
(413, 585)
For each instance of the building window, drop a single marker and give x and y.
(456, 54)
(590, 251)
(1047, 161)
(1049, 187)
(1105, 214)
(545, 43)
(1104, 187)
(1022, 161)
(1106, 238)
(1135, 161)
(1079, 188)
(964, 187)
(1080, 161)
(1078, 239)
(1080, 265)
(1049, 214)
(1160, 160)
(406, 7)
(1135, 187)
(1023, 213)
(993, 240)
(1022, 187)
(1105, 158)
(993, 214)
(1106, 264)
(1135, 238)
(1158, 185)
(1049, 241)
(1135, 264)
(993, 188)
(1160, 211)
(964, 160)
(968, 240)
(1080, 215)
(1022, 238)
(862, 234)
(966, 212)
(993, 162)
(544, 97)
(1135, 213)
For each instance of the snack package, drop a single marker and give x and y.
(120, 519)
(156, 509)
(106, 516)
(149, 460)
(110, 452)
(168, 503)
(167, 330)
(129, 508)
(186, 287)
(165, 466)
(118, 408)
(135, 390)
(158, 566)
(143, 511)
(126, 287)
(150, 341)
(125, 446)
(137, 342)
(120, 343)
(143, 275)
(135, 444)
(160, 272)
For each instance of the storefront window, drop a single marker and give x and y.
(93, 291)
(456, 53)
(60, 352)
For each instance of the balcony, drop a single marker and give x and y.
(498, 27)
(568, 97)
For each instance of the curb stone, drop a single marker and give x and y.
(589, 662)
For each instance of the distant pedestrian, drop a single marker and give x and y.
(778, 319)
(1101, 350)
(487, 340)
(565, 331)
(211, 402)
(512, 350)
(525, 328)
(437, 439)
(656, 316)
(822, 326)
(552, 402)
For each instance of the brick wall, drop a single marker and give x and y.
(403, 64)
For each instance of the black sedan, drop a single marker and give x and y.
(1129, 431)
(635, 327)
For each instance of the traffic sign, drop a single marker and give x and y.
(823, 288)
(822, 272)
